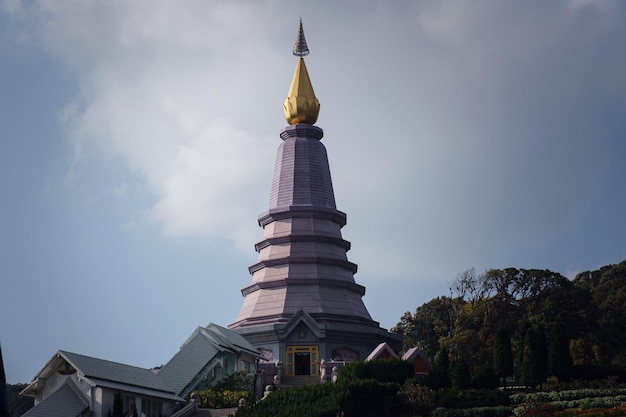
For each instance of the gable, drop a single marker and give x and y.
(382, 351)
(419, 360)
(301, 321)
(67, 401)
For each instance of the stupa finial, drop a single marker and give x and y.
(300, 48)
(301, 105)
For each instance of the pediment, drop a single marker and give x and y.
(299, 323)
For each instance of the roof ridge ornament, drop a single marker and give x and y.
(300, 48)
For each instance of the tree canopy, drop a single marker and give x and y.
(545, 320)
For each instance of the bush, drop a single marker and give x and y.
(237, 381)
(592, 372)
(474, 398)
(534, 410)
(501, 411)
(419, 399)
(486, 378)
(222, 399)
(570, 395)
(362, 398)
(382, 370)
(593, 412)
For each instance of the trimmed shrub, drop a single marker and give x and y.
(618, 411)
(474, 398)
(419, 399)
(592, 372)
(222, 399)
(363, 398)
(486, 378)
(501, 411)
(569, 395)
(382, 370)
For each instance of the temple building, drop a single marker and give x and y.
(303, 304)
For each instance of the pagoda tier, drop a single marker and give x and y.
(302, 263)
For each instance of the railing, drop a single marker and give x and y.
(188, 410)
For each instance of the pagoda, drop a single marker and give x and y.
(303, 304)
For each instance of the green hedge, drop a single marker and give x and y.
(363, 398)
(222, 399)
(382, 370)
(501, 411)
(570, 395)
(474, 398)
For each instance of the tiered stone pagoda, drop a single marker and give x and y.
(303, 304)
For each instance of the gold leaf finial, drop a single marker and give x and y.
(301, 105)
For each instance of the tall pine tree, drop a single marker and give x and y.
(535, 358)
(502, 356)
(559, 357)
(439, 375)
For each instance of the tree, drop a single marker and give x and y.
(559, 357)
(19, 404)
(534, 365)
(502, 356)
(439, 375)
(461, 377)
(431, 322)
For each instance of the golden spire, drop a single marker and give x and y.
(301, 105)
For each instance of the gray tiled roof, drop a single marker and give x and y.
(118, 386)
(231, 339)
(67, 401)
(103, 370)
(198, 350)
(188, 361)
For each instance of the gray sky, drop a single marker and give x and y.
(138, 142)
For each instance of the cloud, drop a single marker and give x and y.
(469, 129)
(173, 91)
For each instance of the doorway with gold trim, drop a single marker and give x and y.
(302, 360)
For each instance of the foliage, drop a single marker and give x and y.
(370, 398)
(431, 322)
(500, 411)
(570, 395)
(367, 398)
(223, 398)
(486, 378)
(237, 381)
(305, 401)
(618, 411)
(559, 358)
(553, 384)
(382, 370)
(583, 317)
(420, 400)
(460, 375)
(502, 355)
(534, 410)
(439, 375)
(592, 372)
(18, 404)
(473, 398)
(534, 363)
